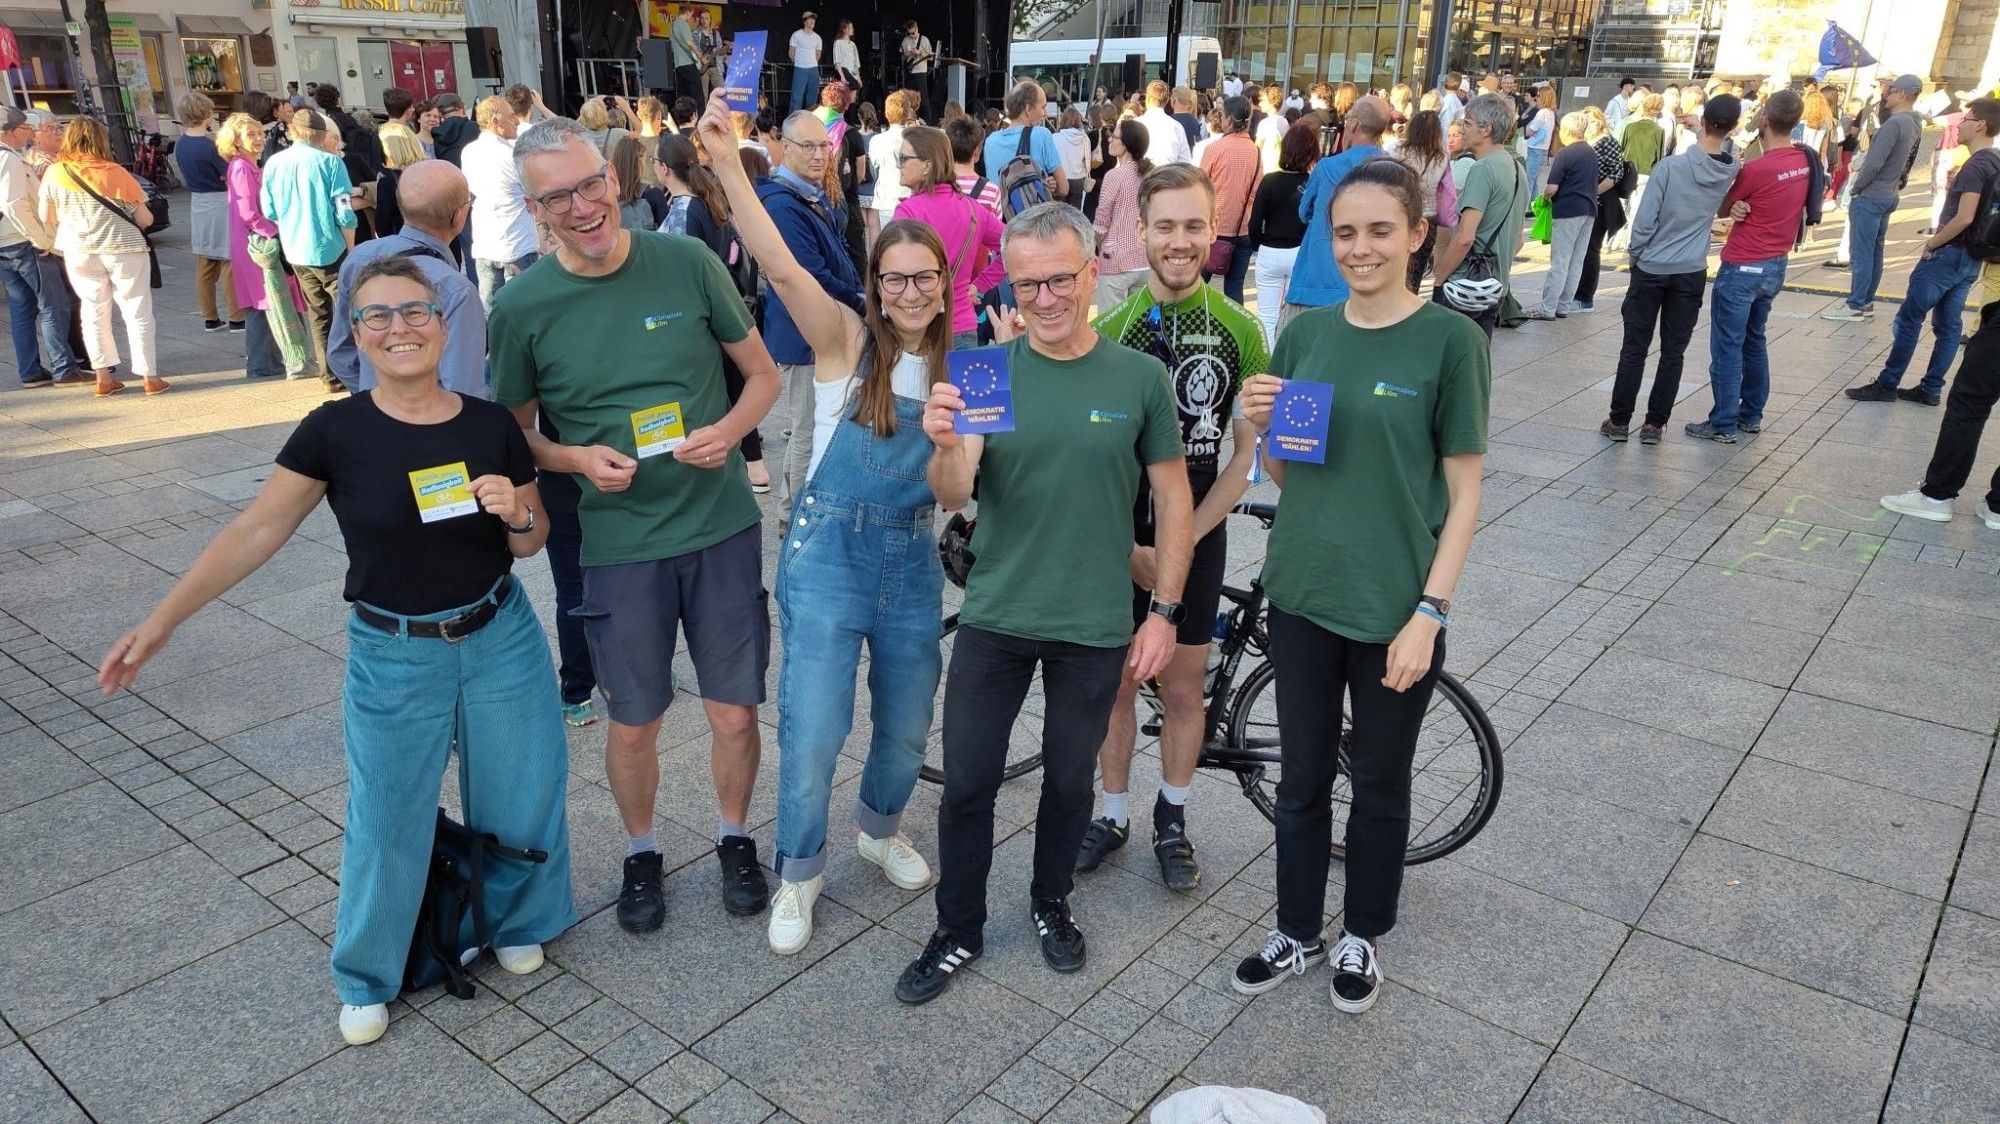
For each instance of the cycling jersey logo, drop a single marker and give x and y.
(1391, 390)
(1105, 417)
(1198, 386)
(661, 321)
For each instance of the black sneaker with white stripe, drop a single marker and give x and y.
(930, 973)
(1062, 941)
(1281, 958)
(1357, 974)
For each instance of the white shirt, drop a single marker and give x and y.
(1271, 139)
(1450, 109)
(1231, 87)
(831, 403)
(847, 56)
(1166, 141)
(805, 48)
(502, 229)
(1617, 109)
(1073, 145)
(888, 170)
(918, 45)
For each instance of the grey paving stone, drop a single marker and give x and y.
(37, 766)
(1885, 837)
(1691, 636)
(986, 1110)
(413, 1073)
(579, 1091)
(1976, 886)
(65, 953)
(683, 1080)
(1723, 709)
(1030, 1088)
(1955, 638)
(1855, 939)
(1428, 1062)
(533, 1063)
(30, 1095)
(1876, 748)
(1953, 591)
(1733, 1041)
(70, 838)
(1570, 1091)
(597, 847)
(899, 1063)
(301, 753)
(206, 1037)
(1605, 859)
(1112, 1016)
(1516, 958)
(630, 1107)
(1072, 1049)
(1961, 994)
(1128, 1079)
(1084, 1106)
(1622, 763)
(1540, 554)
(557, 998)
(597, 1025)
(1941, 1080)
(229, 700)
(1924, 687)
(498, 1033)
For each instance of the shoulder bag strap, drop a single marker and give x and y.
(114, 208)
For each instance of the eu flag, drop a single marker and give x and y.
(1839, 50)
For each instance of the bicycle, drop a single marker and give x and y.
(1455, 777)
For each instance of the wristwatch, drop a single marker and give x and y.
(1173, 612)
(527, 530)
(1441, 604)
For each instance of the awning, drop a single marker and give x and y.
(214, 25)
(31, 21)
(150, 22)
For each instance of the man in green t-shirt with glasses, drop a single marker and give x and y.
(619, 338)
(1052, 587)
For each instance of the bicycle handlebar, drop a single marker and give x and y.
(1262, 512)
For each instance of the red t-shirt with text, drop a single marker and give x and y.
(1775, 186)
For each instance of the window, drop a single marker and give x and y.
(156, 73)
(45, 72)
(213, 63)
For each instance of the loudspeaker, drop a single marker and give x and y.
(482, 51)
(656, 63)
(1135, 73)
(1205, 76)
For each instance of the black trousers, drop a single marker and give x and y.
(752, 445)
(1315, 668)
(687, 84)
(565, 546)
(1966, 409)
(989, 677)
(1673, 301)
(1586, 285)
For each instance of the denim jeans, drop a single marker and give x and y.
(408, 701)
(1868, 227)
(262, 359)
(37, 314)
(1938, 286)
(494, 275)
(805, 87)
(858, 564)
(1739, 368)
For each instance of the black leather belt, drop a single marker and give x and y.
(450, 630)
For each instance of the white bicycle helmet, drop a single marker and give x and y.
(1472, 296)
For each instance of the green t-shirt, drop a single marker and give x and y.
(1497, 187)
(1210, 344)
(1354, 538)
(1055, 495)
(597, 350)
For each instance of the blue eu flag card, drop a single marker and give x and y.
(746, 63)
(980, 374)
(1298, 421)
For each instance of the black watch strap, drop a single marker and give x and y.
(1173, 612)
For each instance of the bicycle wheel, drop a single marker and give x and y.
(1454, 778)
(1024, 754)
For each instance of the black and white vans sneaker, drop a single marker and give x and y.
(1357, 974)
(930, 973)
(1282, 957)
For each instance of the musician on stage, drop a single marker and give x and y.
(921, 72)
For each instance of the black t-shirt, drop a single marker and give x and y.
(1976, 175)
(376, 469)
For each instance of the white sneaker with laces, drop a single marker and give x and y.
(1920, 506)
(1357, 975)
(897, 858)
(519, 959)
(792, 914)
(362, 1025)
(1989, 516)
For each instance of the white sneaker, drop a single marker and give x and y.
(897, 858)
(792, 914)
(1357, 975)
(1921, 506)
(362, 1025)
(1989, 516)
(519, 959)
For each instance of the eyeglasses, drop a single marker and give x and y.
(592, 188)
(1060, 285)
(926, 281)
(818, 146)
(906, 157)
(377, 317)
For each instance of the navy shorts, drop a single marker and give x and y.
(631, 612)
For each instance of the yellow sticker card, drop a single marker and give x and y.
(659, 429)
(444, 492)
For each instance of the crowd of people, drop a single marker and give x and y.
(577, 358)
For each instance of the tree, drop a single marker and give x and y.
(98, 20)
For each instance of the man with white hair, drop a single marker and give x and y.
(503, 233)
(38, 307)
(1089, 417)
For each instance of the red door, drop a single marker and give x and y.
(440, 70)
(406, 63)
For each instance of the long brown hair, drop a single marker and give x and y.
(677, 153)
(625, 157)
(875, 401)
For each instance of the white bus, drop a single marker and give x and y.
(1063, 65)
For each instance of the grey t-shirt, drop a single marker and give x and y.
(1887, 163)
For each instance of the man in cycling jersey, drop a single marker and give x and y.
(1209, 344)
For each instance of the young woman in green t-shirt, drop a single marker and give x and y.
(1360, 567)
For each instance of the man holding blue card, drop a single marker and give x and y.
(1051, 589)
(1209, 344)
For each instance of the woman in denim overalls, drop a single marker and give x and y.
(856, 562)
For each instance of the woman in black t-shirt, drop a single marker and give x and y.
(435, 497)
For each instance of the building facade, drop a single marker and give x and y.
(1377, 43)
(1657, 41)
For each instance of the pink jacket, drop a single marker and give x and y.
(246, 217)
(959, 221)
